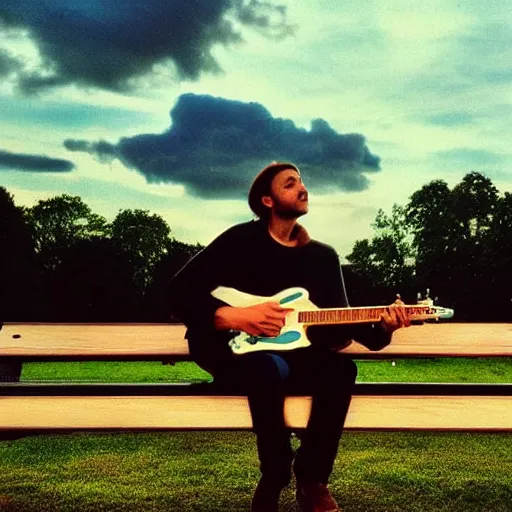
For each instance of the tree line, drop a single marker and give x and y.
(455, 242)
(60, 261)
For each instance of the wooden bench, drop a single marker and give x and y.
(64, 407)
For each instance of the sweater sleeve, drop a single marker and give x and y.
(189, 291)
(369, 335)
(331, 294)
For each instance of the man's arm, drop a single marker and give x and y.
(191, 300)
(378, 335)
(374, 336)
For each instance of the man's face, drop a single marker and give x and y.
(288, 195)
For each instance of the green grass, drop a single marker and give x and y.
(406, 370)
(205, 471)
(114, 372)
(217, 471)
(492, 370)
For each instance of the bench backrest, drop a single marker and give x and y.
(52, 341)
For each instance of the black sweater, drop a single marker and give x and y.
(247, 258)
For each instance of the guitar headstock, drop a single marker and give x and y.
(425, 312)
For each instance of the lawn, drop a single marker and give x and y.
(217, 471)
(406, 370)
(204, 471)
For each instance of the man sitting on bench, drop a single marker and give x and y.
(263, 257)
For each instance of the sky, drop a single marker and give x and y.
(173, 106)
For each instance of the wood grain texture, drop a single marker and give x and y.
(203, 412)
(165, 341)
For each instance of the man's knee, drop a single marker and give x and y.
(264, 368)
(341, 369)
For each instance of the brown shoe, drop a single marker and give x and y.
(266, 497)
(315, 497)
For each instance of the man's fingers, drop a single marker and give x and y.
(271, 331)
(404, 317)
(277, 307)
(395, 317)
(399, 315)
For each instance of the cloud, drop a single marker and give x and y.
(8, 64)
(111, 44)
(215, 146)
(103, 150)
(33, 163)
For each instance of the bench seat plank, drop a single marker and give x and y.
(69, 413)
(165, 341)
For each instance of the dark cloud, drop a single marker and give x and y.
(109, 44)
(104, 151)
(215, 146)
(33, 163)
(8, 64)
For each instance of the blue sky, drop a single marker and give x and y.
(173, 106)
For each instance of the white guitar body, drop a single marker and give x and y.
(292, 335)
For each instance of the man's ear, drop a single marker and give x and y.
(267, 201)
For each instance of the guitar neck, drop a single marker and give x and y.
(356, 315)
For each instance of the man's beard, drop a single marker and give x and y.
(287, 213)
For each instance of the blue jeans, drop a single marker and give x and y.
(266, 378)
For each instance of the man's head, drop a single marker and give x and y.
(278, 189)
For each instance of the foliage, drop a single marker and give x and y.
(385, 261)
(17, 260)
(458, 255)
(60, 261)
(93, 282)
(60, 222)
(144, 238)
(459, 240)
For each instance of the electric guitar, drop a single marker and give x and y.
(305, 313)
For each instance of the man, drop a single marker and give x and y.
(263, 257)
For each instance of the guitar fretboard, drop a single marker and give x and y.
(355, 315)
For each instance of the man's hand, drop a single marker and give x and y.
(394, 317)
(266, 319)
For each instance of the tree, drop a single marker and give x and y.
(144, 238)
(474, 203)
(60, 222)
(430, 218)
(157, 300)
(498, 271)
(17, 262)
(386, 259)
(18, 286)
(454, 237)
(475, 200)
(92, 283)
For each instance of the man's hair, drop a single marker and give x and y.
(261, 186)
